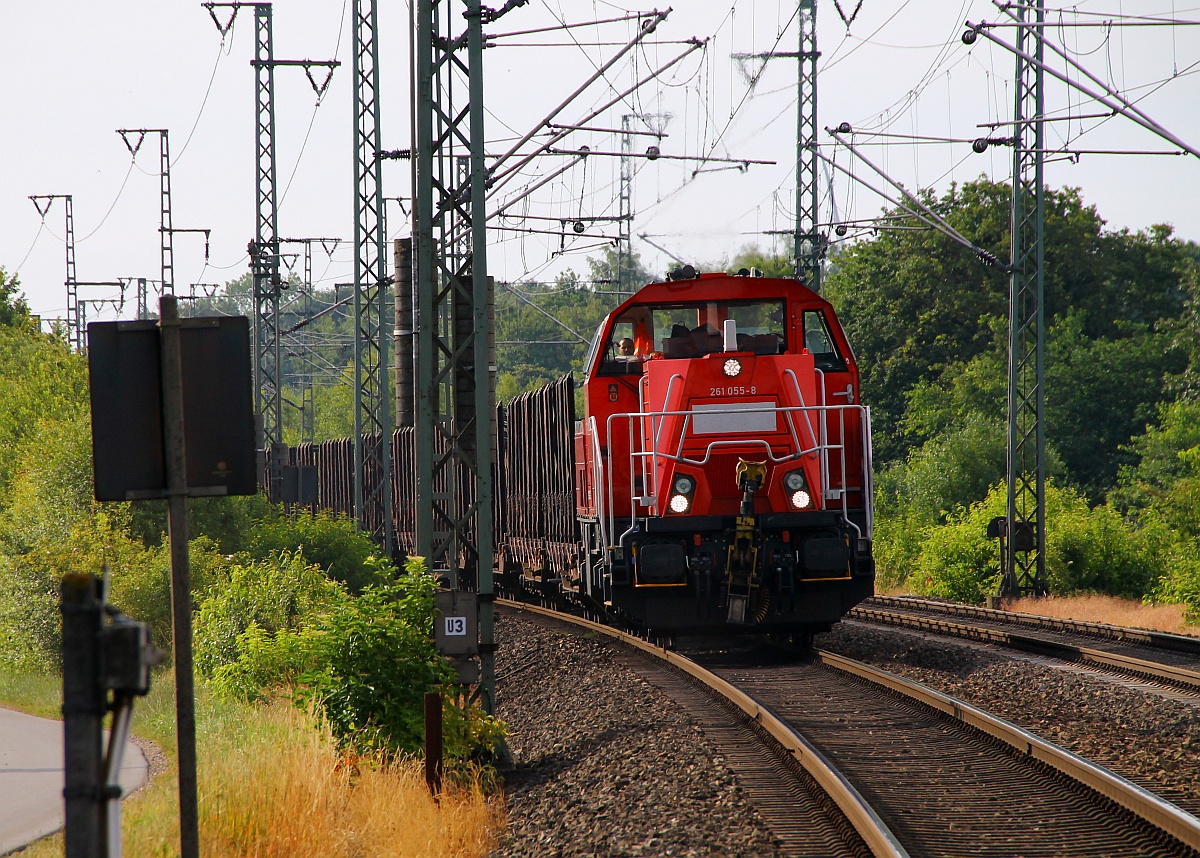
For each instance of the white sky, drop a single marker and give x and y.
(72, 72)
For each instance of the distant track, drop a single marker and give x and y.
(1173, 660)
(920, 773)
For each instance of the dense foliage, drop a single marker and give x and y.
(929, 327)
(282, 601)
(362, 663)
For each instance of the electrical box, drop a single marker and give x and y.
(456, 626)
(126, 656)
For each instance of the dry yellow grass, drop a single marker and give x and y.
(1107, 609)
(286, 793)
(271, 786)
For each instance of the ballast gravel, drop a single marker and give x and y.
(1140, 735)
(604, 763)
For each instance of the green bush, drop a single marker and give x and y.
(1087, 550)
(1180, 582)
(364, 667)
(956, 560)
(30, 622)
(141, 582)
(226, 521)
(378, 660)
(1095, 549)
(897, 547)
(330, 541)
(281, 593)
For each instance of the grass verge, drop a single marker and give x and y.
(1107, 609)
(272, 785)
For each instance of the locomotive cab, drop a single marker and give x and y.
(722, 466)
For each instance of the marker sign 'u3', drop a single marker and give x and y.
(456, 630)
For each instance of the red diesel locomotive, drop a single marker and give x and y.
(719, 481)
(723, 462)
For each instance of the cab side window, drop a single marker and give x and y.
(820, 342)
(620, 354)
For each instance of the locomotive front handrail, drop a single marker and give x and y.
(800, 398)
(646, 461)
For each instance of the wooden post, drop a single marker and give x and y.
(433, 742)
(181, 584)
(83, 717)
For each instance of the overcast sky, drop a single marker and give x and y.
(73, 72)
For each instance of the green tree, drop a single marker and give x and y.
(1088, 549)
(14, 310)
(752, 256)
(1164, 454)
(543, 330)
(608, 273)
(916, 305)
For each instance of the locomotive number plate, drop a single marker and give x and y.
(732, 391)
(735, 417)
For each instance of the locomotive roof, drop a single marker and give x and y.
(719, 286)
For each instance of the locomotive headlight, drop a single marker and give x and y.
(732, 367)
(684, 485)
(680, 503)
(796, 485)
(801, 499)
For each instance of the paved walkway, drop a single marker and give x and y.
(31, 777)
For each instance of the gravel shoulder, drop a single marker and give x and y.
(605, 763)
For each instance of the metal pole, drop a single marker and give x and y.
(83, 716)
(425, 253)
(405, 403)
(181, 595)
(485, 413)
(1026, 513)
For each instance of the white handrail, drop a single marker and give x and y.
(646, 461)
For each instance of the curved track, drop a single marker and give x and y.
(919, 773)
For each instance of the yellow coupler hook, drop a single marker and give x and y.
(741, 579)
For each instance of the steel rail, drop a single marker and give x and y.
(1159, 640)
(1141, 802)
(874, 832)
(1179, 676)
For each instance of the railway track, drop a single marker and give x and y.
(916, 773)
(1172, 660)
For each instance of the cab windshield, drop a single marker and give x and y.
(689, 330)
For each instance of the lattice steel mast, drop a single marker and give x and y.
(74, 331)
(264, 253)
(264, 249)
(1025, 564)
(166, 232)
(372, 410)
(454, 432)
(165, 227)
(808, 242)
